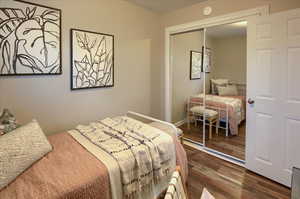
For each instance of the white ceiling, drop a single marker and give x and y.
(164, 5)
(228, 30)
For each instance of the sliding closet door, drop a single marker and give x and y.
(204, 83)
(273, 114)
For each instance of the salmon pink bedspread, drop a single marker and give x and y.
(236, 108)
(69, 171)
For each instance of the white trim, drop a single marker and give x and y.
(168, 88)
(182, 122)
(219, 20)
(210, 151)
(204, 87)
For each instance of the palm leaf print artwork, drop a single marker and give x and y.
(30, 40)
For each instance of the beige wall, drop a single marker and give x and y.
(49, 99)
(230, 58)
(220, 7)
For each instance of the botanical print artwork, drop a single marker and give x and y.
(29, 39)
(195, 65)
(92, 60)
(207, 60)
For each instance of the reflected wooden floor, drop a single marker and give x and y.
(231, 145)
(225, 180)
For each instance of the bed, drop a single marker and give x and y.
(72, 170)
(232, 109)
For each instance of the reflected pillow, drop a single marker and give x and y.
(230, 90)
(218, 82)
(19, 149)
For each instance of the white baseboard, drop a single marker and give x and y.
(215, 153)
(177, 124)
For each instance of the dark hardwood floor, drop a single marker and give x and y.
(231, 145)
(226, 180)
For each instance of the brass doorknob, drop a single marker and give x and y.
(251, 101)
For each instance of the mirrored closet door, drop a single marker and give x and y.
(187, 83)
(209, 87)
(225, 63)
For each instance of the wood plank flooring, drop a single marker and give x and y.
(231, 145)
(226, 180)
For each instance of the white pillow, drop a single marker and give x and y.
(19, 149)
(227, 90)
(218, 82)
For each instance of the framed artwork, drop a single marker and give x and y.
(92, 60)
(30, 39)
(195, 65)
(206, 60)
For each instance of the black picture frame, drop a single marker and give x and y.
(72, 61)
(209, 51)
(59, 24)
(192, 53)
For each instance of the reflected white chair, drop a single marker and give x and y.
(211, 116)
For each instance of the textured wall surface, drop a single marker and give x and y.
(230, 58)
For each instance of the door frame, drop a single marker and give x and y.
(202, 25)
(196, 25)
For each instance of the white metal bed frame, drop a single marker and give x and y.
(148, 119)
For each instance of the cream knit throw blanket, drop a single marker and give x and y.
(142, 152)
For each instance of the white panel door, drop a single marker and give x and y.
(273, 112)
